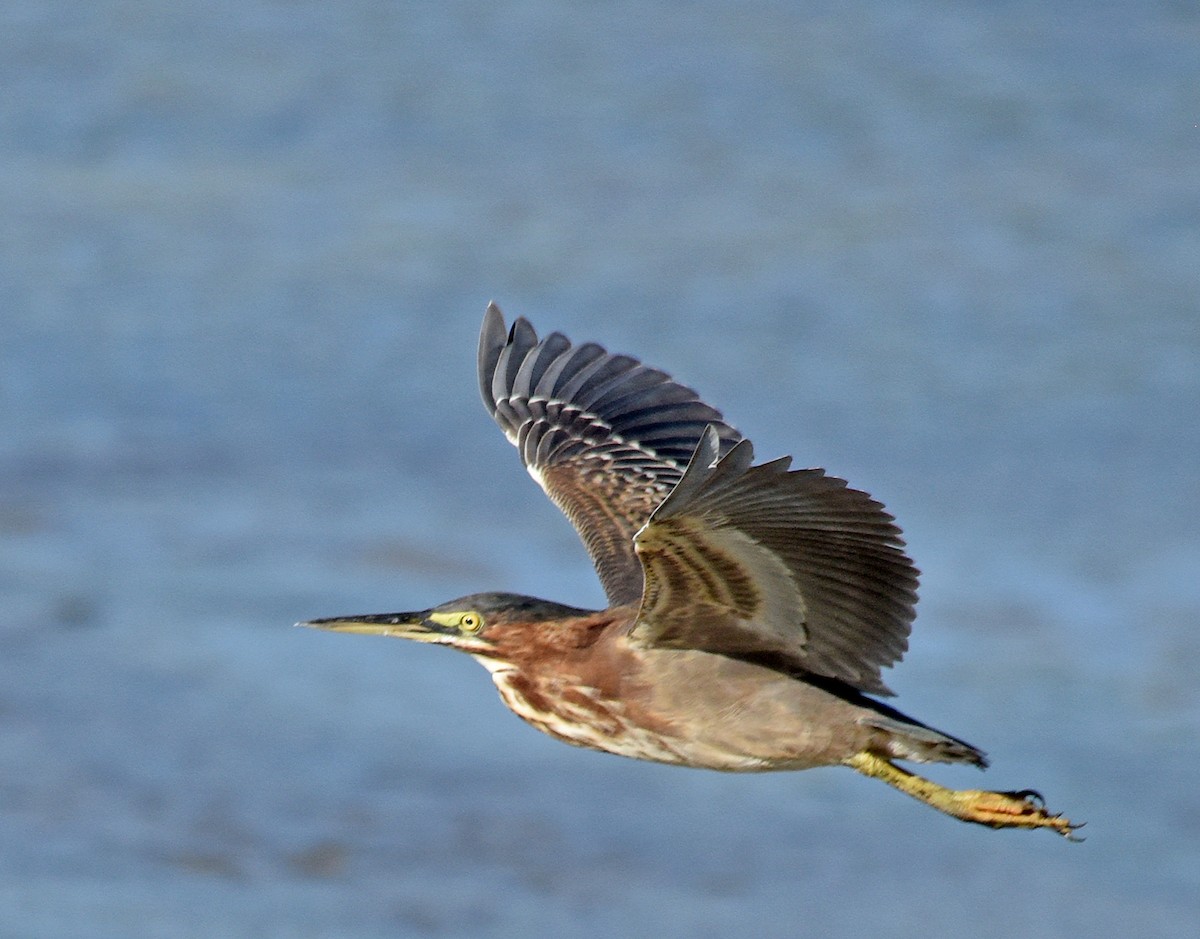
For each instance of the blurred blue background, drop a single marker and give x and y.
(948, 251)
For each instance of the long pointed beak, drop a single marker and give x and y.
(416, 626)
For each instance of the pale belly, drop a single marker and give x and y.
(582, 718)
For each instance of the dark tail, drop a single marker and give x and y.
(901, 738)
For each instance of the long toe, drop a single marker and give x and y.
(1024, 809)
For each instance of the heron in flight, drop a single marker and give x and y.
(751, 607)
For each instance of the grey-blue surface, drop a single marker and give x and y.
(949, 251)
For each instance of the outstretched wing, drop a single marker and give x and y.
(605, 436)
(788, 567)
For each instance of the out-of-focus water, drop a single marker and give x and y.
(949, 251)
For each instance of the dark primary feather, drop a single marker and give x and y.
(605, 436)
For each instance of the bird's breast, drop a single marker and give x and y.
(583, 716)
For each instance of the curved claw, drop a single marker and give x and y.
(1031, 795)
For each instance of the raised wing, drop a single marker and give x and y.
(605, 436)
(788, 567)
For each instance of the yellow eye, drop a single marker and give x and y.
(470, 622)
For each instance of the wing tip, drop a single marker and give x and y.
(493, 336)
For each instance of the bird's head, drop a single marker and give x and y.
(491, 625)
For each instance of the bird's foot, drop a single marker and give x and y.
(1023, 809)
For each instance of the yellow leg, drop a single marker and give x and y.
(994, 809)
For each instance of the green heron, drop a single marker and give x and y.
(751, 607)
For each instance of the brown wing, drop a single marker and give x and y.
(606, 437)
(787, 566)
